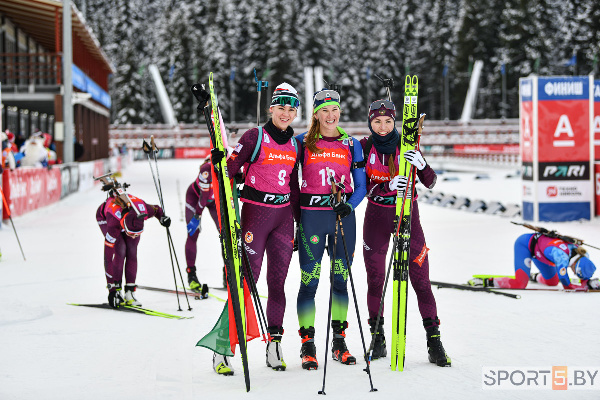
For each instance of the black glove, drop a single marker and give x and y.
(216, 156)
(115, 298)
(342, 209)
(165, 221)
(239, 178)
(146, 147)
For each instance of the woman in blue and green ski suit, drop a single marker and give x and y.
(326, 149)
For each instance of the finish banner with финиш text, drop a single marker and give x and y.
(556, 117)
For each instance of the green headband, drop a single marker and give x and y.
(327, 103)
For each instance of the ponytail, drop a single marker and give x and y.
(312, 136)
(392, 164)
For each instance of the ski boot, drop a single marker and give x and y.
(479, 282)
(195, 285)
(379, 347)
(339, 351)
(308, 351)
(274, 353)
(221, 365)
(115, 297)
(437, 354)
(130, 299)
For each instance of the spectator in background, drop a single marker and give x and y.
(7, 159)
(19, 140)
(11, 139)
(33, 153)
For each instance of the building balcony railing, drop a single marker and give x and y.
(25, 69)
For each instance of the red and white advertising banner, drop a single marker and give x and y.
(556, 120)
(486, 148)
(192, 152)
(596, 125)
(597, 180)
(596, 129)
(27, 189)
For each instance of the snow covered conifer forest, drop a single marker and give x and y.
(350, 39)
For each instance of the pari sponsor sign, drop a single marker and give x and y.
(556, 143)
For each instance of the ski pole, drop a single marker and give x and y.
(154, 153)
(174, 255)
(331, 269)
(12, 223)
(151, 148)
(388, 83)
(254, 291)
(379, 312)
(362, 336)
(259, 86)
(333, 86)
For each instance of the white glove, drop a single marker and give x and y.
(594, 284)
(415, 158)
(399, 183)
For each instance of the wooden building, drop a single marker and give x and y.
(32, 77)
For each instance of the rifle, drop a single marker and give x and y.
(555, 235)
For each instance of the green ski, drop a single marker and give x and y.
(409, 140)
(230, 229)
(134, 309)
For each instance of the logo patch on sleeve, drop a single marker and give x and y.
(421, 257)
(110, 239)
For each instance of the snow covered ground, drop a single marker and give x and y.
(50, 350)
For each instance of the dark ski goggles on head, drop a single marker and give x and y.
(376, 105)
(286, 101)
(327, 95)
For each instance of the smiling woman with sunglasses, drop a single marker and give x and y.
(268, 154)
(382, 155)
(326, 149)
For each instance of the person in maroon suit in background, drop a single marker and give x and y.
(199, 196)
(121, 219)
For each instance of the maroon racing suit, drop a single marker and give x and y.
(119, 247)
(108, 251)
(267, 221)
(379, 224)
(199, 196)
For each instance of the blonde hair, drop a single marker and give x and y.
(312, 136)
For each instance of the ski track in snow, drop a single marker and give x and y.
(50, 350)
